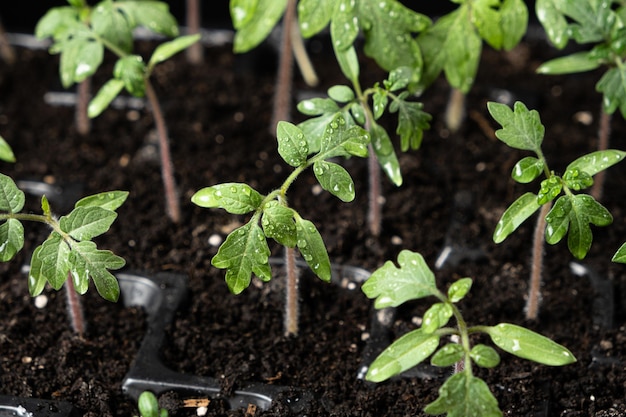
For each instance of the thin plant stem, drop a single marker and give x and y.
(302, 57)
(292, 308)
(455, 110)
(167, 167)
(74, 307)
(374, 215)
(195, 53)
(282, 95)
(604, 134)
(83, 94)
(6, 50)
(536, 268)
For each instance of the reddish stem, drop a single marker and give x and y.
(282, 95)
(194, 52)
(167, 167)
(74, 307)
(6, 50)
(83, 94)
(292, 308)
(536, 268)
(604, 134)
(374, 216)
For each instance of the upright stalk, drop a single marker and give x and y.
(292, 308)
(194, 53)
(167, 168)
(302, 57)
(374, 215)
(604, 133)
(455, 110)
(536, 268)
(282, 95)
(6, 50)
(74, 307)
(83, 93)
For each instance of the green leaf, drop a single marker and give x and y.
(11, 198)
(356, 109)
(385, 153)
(527, 344)
(341, 140)
(81, 55)
(278, 224)
(87, 260)
(488, 22)
(595, 162)
(167, 50)
(553, 21)
(585, 211)
(292, 145)
(153, 15)
(11, 239)
(515, 215)
(570, 64)
(112, 25)
(242, 12)
(577, 180)
(459, 289)
(412, 121)
(53, 258)
(399, 78)
(36, 278)
(620, 255)
(341, 93)
(314, 129)
(613, 86)
(244, 252)
(451, 45)
(348, 62)
(527, 169)
(85, 223)
(109, 200)
(314, 15)
(392, 286)
(6, 153)
(148, 404)
(233, 197)
(265, 16)
(344, 26)
(380, 100)
(317, 106)
(132, 71)
(105, 96)
(335, 179)
(464, 395)
(436, 317)
(485, 356)
(550, 188)
(45, 206)
(405, 353)
(313, 249)
(514, 21)
(557, 220)
(521, 128)
(57, 22)
(388, 27)
(448, 355)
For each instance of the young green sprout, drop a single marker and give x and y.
(82, 33)
(148, 406)
(564, 211)
(68, 256)
(245, 250)
(463, 393)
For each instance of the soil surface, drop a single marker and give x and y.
(218, 117)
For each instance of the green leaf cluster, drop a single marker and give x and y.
(353, 106)
(598, 22)
(572, 214)
(463, 394)
(149, 406)
(453, 44)
(68, 250)
(82, 33)
(245, 251)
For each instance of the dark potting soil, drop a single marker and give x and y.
(218, 117)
